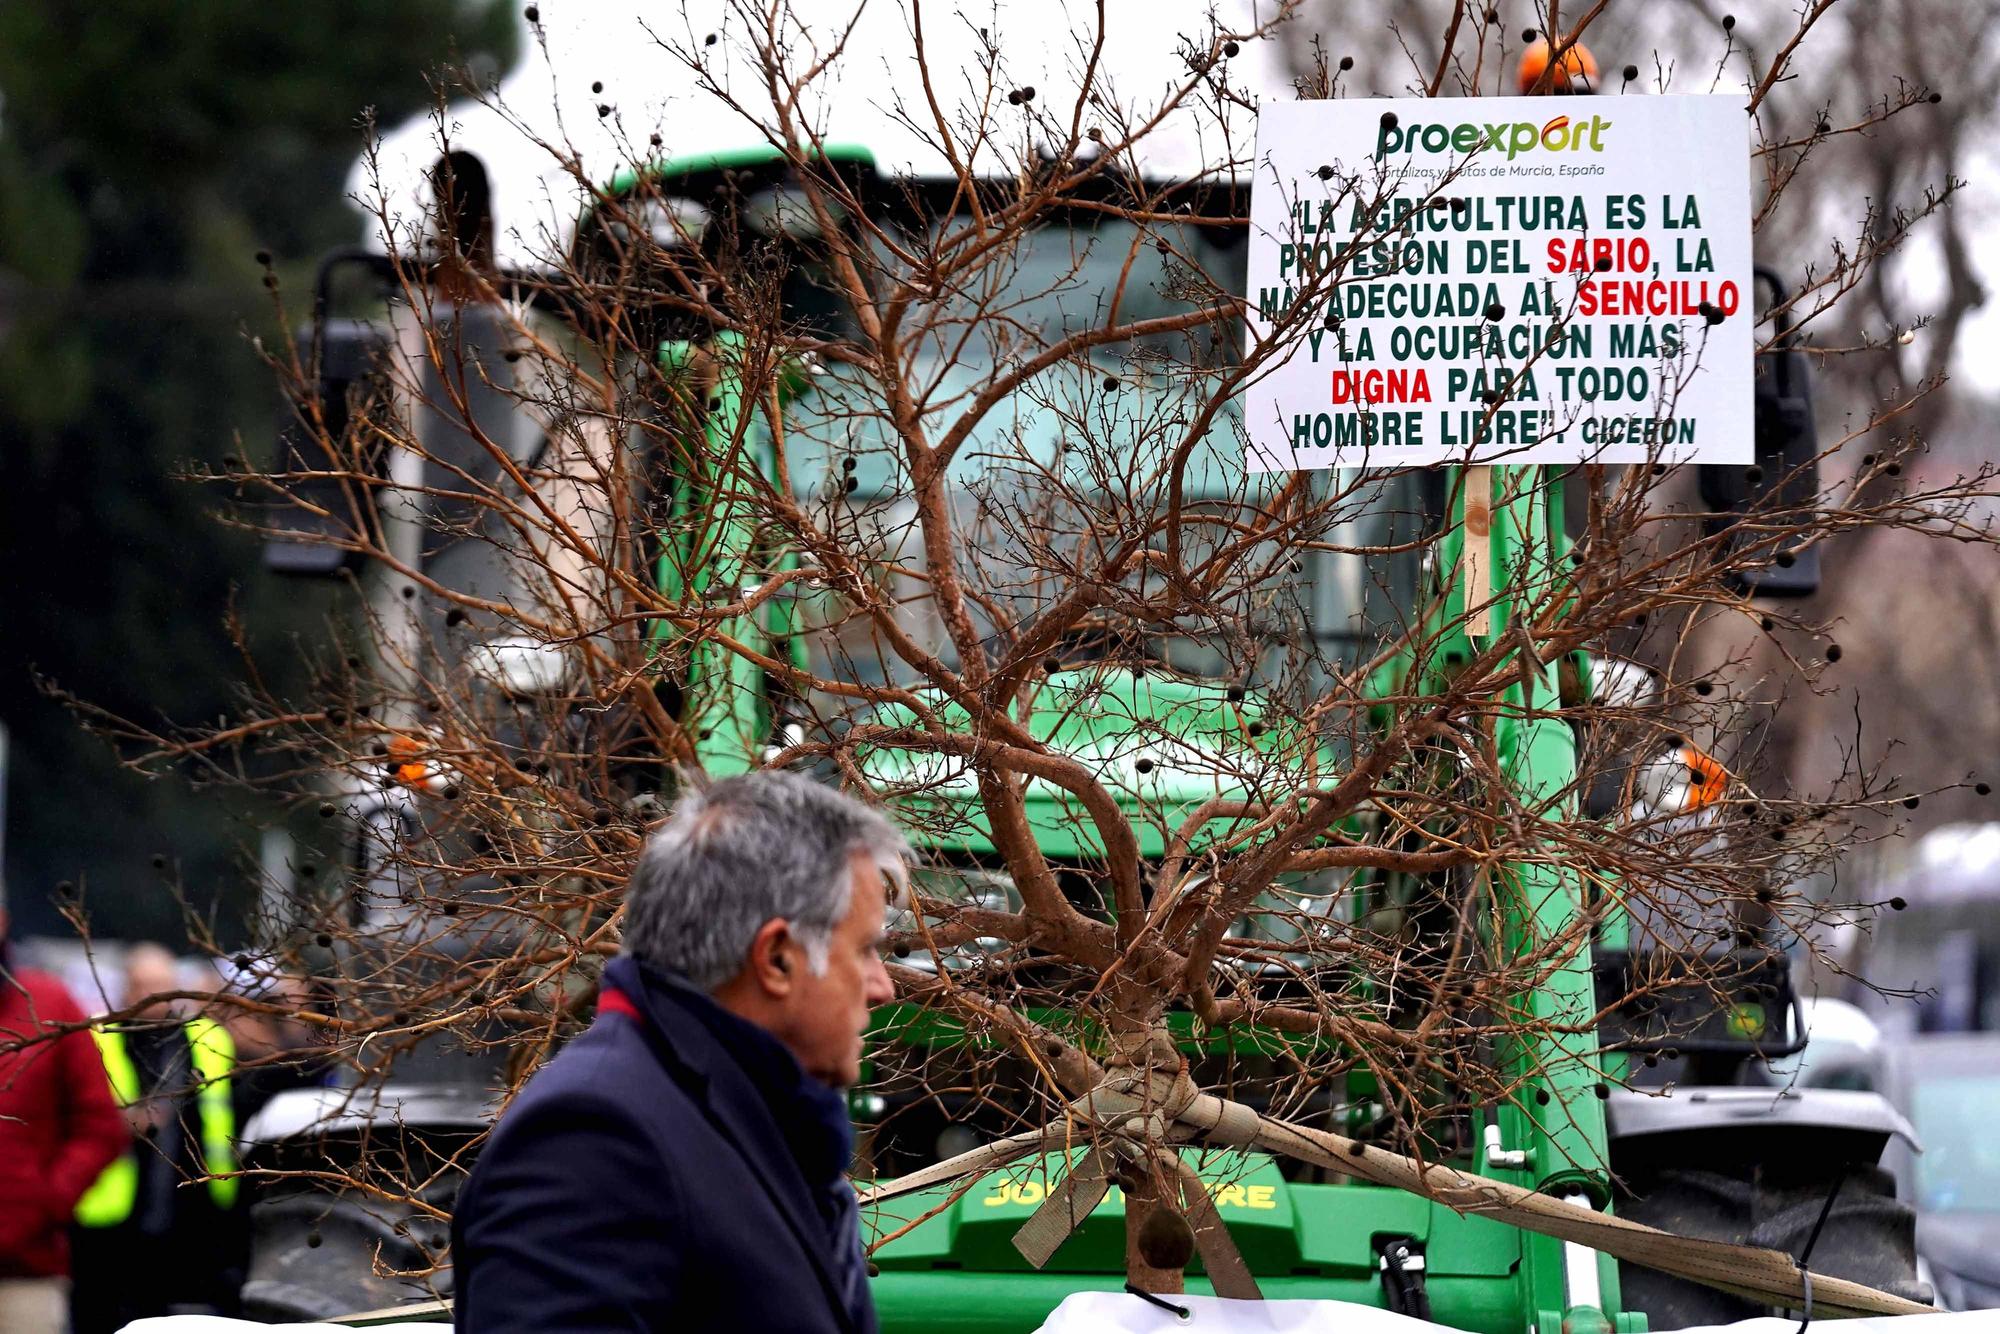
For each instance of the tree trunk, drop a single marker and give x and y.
(1150, 1251)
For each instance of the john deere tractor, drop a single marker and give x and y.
(1726, 1161)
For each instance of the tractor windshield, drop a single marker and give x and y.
(1088, 437)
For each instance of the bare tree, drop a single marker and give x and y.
(933, 486)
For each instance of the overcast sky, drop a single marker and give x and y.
(620, 46)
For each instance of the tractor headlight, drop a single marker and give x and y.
(1295, 917)
(521, 667)
(940, 896)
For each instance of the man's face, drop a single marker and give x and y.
(149, 971)
(823, 1017)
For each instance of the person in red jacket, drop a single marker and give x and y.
(59, 1128)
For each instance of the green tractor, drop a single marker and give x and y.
(1730, 1161)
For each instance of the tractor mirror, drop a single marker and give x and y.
(1782, 485)
(330, 479)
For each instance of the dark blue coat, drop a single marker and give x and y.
(675, 1172)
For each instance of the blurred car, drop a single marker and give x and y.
(1937, 946)
(1948, 1085)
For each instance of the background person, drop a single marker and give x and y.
(58, 1130)
(274, 1052)
(682, 1164)
(145, 1243)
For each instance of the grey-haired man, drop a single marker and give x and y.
(681, 1165)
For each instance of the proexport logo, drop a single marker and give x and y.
(1557, 136)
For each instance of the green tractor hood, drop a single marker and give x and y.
(954, 1266)
(1161, 745)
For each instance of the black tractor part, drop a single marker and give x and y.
(317, 1256)
(1709, 1014)
(1869, 1236)
(1782, 486)
(1757, 1167)
(318, 1251)
(332, 475)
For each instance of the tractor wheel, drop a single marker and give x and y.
(1869, 1237)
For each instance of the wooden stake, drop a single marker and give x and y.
(1476, 552)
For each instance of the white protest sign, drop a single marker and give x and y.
(1514, 279)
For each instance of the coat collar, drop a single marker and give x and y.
(744, 1081)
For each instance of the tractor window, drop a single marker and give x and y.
(781, 237)
(1949, 951)
(1063, 280)
(1130, 399)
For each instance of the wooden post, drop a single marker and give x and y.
(1476, 552)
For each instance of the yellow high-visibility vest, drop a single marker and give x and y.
(110, 1198)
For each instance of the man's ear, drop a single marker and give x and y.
(772, 963)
